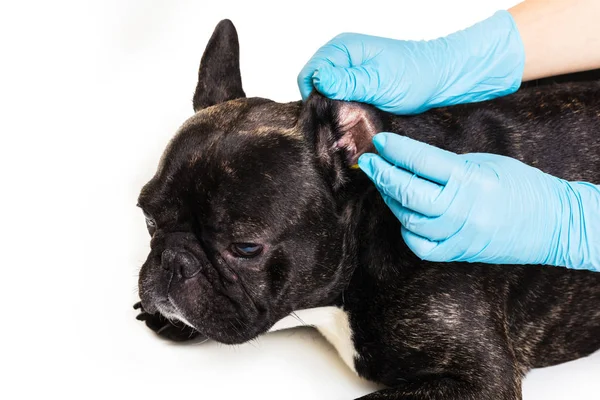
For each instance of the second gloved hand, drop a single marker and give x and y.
(407, 77)
(484, 207)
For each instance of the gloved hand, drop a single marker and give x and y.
(484, 207)
(406, 77)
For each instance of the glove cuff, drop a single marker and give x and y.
(487, 61)
(576, 243)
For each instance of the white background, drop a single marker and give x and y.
(90, 93)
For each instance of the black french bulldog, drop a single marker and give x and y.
(255, 213)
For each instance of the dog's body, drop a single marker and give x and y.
(255, 213)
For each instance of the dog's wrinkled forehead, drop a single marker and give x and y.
(229, 159)
(232, 130)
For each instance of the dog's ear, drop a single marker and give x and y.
(219, 77)
(340, 132)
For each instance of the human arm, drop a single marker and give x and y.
(559, 36)
(535, 39)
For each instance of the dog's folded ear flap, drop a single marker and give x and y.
(219, 77)
(340, 132)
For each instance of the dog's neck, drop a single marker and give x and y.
(366, 222)
(370, 227)
(367, 225)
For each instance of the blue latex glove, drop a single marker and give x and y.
(406, 77)
(484, 207)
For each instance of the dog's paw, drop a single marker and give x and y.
(165, 328)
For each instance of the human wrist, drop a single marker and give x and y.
(481, 62)
(576, 242)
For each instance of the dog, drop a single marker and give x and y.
(255, 213)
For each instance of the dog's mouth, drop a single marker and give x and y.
(213, 301)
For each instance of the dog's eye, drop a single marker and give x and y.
(246, 250)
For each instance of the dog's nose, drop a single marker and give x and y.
(180, 262)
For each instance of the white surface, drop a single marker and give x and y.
(90, 92)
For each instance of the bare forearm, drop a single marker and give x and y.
(560, 36)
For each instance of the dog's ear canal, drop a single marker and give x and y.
(340, 133)
(219, 77)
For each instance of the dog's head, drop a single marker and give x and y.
(244, 211)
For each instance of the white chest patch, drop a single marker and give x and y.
(332, 322)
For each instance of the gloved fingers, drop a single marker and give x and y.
(409, 190)
(305, 77)
(436, 251)
(347, 83)
(430, 228)
(331, 54)
(427, 161)
(419, 245)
